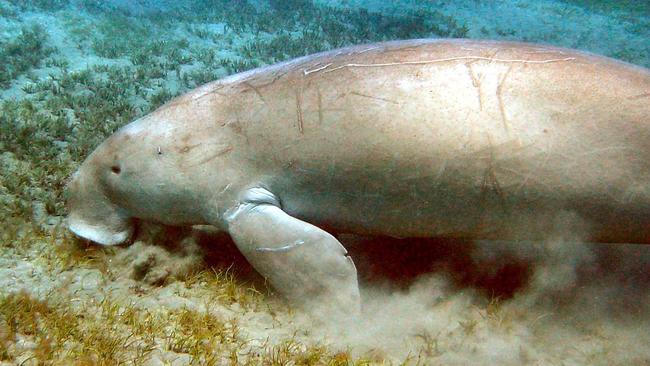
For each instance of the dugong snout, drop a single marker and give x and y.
(92, 216)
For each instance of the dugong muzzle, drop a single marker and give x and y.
(93, 217)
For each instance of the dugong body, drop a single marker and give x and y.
(461, 138)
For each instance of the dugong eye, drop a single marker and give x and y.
(116, 169)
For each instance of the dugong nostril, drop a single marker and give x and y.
(116, 169)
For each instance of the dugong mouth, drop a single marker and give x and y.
(91, 214)
(100, 234)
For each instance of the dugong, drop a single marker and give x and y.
(417, 138)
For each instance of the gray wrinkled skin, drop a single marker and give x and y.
(476, 139)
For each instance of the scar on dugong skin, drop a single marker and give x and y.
(284, 248)
(419, 138)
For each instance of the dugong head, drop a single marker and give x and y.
(93, 212)
(137, 173)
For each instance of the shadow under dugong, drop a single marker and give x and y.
(418, 138)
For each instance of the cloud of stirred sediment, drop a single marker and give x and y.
(549, 302)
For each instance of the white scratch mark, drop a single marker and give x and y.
(281, 249)
(639, 96)
(299, 111)
(307, 72)
(476, 82)
(368, 49)
(225, 189)
(424, 62)
(500, 98)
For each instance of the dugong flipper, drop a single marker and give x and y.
(302, 261)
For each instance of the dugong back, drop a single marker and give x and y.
(455, 138)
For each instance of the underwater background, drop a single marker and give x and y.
(73, 71)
